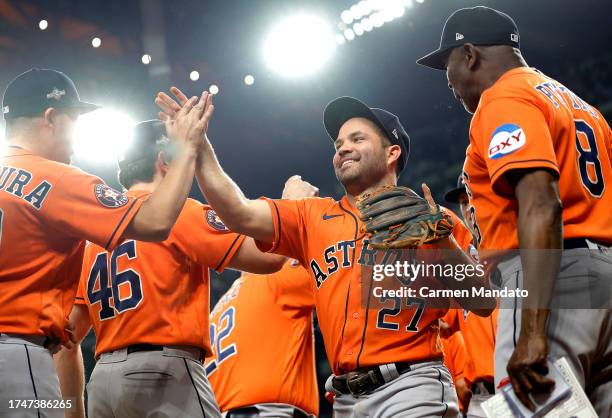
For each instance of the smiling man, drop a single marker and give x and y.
(384, 353)
(535, 172)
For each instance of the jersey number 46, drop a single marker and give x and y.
(105, 282)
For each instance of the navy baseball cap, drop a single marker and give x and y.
(478, 25)
(32, 92)
(148, 139)
(339, 110)
(452, 196)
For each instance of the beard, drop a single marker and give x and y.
(362, 174)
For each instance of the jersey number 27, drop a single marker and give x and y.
(104, 282)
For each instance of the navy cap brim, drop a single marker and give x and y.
(452, 196)
(85, 107)
(436, 59)
(338, 111)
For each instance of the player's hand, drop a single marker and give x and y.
(190, 123)
(296, 188)
(527, 368)
(169, 107)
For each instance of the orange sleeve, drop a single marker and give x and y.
(204, 238)
(512, 133)
(455, 355)
(451, 318)
(461, 233)
(289, 230)
(85, 207)
(294, 286)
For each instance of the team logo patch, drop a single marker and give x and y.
(110, 197)
(213, 220)
(506, 139)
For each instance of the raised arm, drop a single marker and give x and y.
(253, 218)
(158, 214)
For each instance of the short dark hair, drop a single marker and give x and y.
(138, 162)
(141, 171)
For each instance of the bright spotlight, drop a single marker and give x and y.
(377, 20)
(349, 34)
(366, 24)
(366, 7)
(249, 80)
(420, 1)
(346, 17)
(299, 45)
(356, 11)
(102, 135)
(146, 59)
(194, 75)
(43, 24)
(340, 39)
(392, 9)
(96, 42)
(213, 89)
(358, 29)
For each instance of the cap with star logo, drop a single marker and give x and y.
(32, 92)
(478, 25)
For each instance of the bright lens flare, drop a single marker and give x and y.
(300, 45)
(102, 135)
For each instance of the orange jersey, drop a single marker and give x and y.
(479, 338)
(358, 329)
(529, 121)
(455, 356)
(47, 210)
(263, 342)
(157, 293)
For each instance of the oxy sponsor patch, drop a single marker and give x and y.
(505, 140)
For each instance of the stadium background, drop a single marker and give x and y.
(267, 131)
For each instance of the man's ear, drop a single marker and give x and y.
(394, 153)
(49, 115)
(161, 163)
(472, 55)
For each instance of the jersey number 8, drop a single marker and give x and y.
(589, 157)
(100, 274)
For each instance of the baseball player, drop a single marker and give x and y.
(47, 211)
(263, 362)
(386, 361)
(536, 172)
(149, 302)
(478, 332)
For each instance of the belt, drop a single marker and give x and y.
(253, 411)
(369, 379)
(135, 348)
(573, 243)
(41, 340)
(144, 347)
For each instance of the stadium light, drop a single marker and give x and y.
(146, 59)
(346, 17)
(43, 24)
(340, 39)
(369, 14)
(299, 45)
(194, 75)
(213, 89)
(96, 42)
(249, 80)
(102, 135)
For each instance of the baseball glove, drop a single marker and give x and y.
(397, 217)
